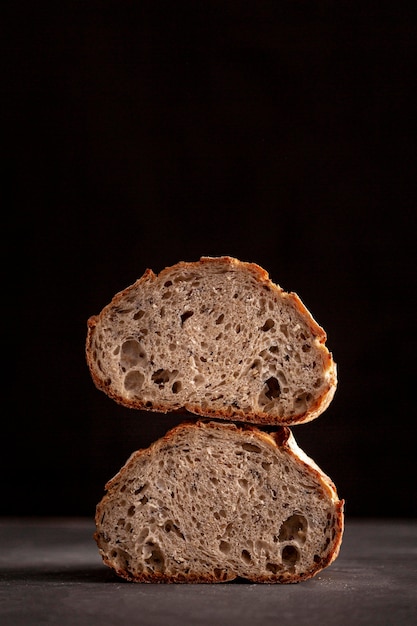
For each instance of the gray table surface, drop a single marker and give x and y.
(51, 573)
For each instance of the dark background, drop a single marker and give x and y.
(144, 133)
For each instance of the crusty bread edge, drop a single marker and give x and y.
(281, 438)
(258, 417)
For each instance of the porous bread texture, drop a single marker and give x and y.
(217, 338)
(210, 502)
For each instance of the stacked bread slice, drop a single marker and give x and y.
(228, 493)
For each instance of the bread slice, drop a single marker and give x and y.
(217, 338)
(212, 501)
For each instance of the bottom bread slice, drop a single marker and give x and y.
(210, 502)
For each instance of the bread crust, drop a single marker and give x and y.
(258, 416)
(281, 439)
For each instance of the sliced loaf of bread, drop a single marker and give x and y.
(212, 501)
(216, 338)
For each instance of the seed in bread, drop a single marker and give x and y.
(211, 501)
(216, 338)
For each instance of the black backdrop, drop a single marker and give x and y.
(144, 133)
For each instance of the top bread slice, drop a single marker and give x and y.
(216, 338)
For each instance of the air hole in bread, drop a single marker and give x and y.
(132, 354)
(273, 389)
(302, 400)
(161, 377)
(155, 558)
(185, 278)
(224, 547)
(131, 511)
(133, 381)
(141, 489)
(243, 483)
(219, 573)
(138, 315)
(268, 325)
(246, 556)
(284, 330)
(220, 319)
(251, 447)
(176, 387)
(168, 283)
(290, 555)
(273, 567)
(169, 526)
(185, 316)
(294, 528)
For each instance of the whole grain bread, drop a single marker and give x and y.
(216, 338)
(213, 501)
